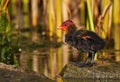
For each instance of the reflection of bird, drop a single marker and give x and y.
(83, 40)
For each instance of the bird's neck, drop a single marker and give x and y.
(71, 29)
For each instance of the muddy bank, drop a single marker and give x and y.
(9, 73)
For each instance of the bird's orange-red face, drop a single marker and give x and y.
(65, 25)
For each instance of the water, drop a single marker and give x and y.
(50, 61)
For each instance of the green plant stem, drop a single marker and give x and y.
(90, 16)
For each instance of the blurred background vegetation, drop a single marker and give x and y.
(38, 20)
(45, 15)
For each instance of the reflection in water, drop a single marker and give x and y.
(36, 63)
(50, 62)
(117, 56)
(65, 52)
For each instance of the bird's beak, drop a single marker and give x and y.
(59, 27)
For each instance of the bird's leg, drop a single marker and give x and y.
(77, 64)
(88, 59)
(92, 57)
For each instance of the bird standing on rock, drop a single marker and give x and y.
(83, 40)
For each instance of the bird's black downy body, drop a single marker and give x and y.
(83, 40)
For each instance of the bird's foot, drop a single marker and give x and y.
(89, 63)
(82, 64)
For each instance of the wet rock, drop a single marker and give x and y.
(99, 71)
(9, 73)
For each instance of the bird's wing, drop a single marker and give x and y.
(83, 36)
(88, 40)
(86, 37)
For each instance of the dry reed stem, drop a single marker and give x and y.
(101, 17)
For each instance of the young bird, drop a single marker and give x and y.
(83, 40)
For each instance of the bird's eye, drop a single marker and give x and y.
(65, 24)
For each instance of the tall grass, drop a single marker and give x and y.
(51, 15)
(116, 27)
(58, 18)
(90, 16)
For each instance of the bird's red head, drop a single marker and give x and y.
(65, 25)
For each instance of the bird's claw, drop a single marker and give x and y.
(77, 63)
(82, 64)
